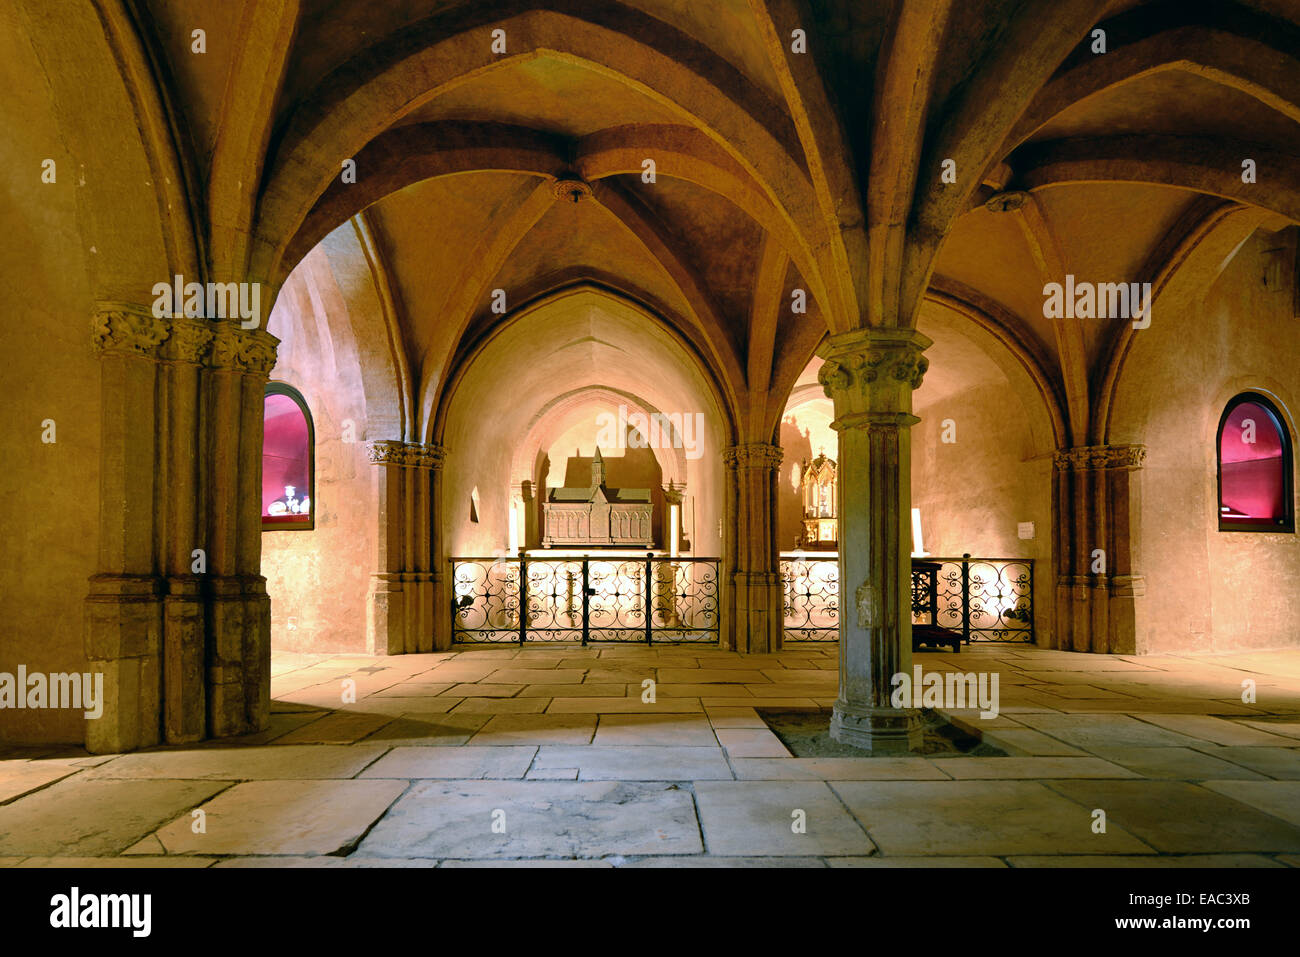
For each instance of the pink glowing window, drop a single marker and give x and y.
(1254, 467)
(288, 480)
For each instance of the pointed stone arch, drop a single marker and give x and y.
(435, 55)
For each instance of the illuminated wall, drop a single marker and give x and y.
(1219, 330)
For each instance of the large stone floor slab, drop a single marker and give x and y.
(1278, 798)
(341, 727)
(760, 817)
(1029, 743)
(1150, 860)
(730, 862)
(711, 676)
(752, 743)
(241, 764)
(1181, 764)
(630, 705)
(539, 819)
(452, 763)
(536, 729)
(81, 817)
(283, 817)
(536, 675)
(1032, 768)
(978, 817)
(640, 763)
(881, 861)
(80, 863)
(1274, 762)
(546, 863)
(1089, 731)
(1218, 731)
(353, 861)
(1289, 728)
(21, 777)
(430, 730)
(837, 769)
(683, 730)
(1180, 818)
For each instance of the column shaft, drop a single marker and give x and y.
(755, 608)
(405, 613)
(1098, 497)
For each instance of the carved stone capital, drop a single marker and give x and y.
(250, 351)
(406, 454)
(873, 370)
(756, 455)
(127, 330)
(189, 341)
(1093, 457)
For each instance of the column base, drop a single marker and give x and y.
(759, 612)
(385, 631)
(239, 656)
(877, 730)
(123, 641)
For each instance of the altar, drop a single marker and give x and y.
(820, 504)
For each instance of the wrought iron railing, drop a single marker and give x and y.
(584, 599)
(982, 599)
(812, 598)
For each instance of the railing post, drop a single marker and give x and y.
(586, 602)
(1030, 564)
(523, 597)
(965, 598)
(932, 588)
(646, 597)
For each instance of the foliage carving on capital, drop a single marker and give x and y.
(406, 454)
(1092, 457)
(251, 351)
(122, 330)
(189, 341)
(857, 371)
(755, 455)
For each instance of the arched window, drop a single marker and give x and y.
(288, 460)
(1254, 449)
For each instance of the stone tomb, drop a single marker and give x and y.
(598, 515)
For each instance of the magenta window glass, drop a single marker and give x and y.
(288, 485)
(1254, 467)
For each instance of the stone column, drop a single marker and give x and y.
(177, 618)
(757, 614)
(1097, 494)
(870, 375)
(406, 606)
(674, 496)
(124, 609)
(239, 610)
(182, 511)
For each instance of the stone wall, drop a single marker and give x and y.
(1218, 330)
(318, 580)
(49, 491)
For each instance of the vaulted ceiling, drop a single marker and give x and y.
(775, 170)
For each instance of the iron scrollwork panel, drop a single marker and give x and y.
(485, 598)
(811, 596)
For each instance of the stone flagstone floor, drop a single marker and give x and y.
(547, 756)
